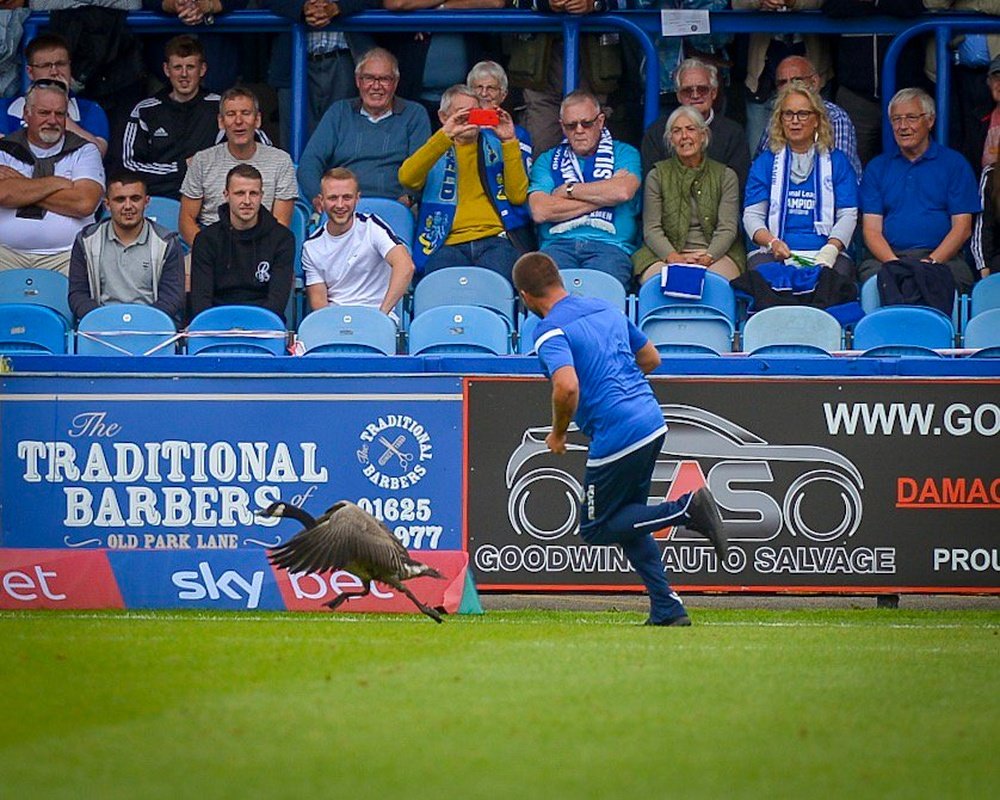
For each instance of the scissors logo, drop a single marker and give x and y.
(393, 449)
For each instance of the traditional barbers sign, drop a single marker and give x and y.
(832, 484)
(183, 463)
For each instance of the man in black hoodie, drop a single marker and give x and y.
(244, 259)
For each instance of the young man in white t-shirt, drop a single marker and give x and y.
(354, 259)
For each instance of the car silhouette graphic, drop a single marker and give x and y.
(810, 491)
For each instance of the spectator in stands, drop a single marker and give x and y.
(767, 51)
(796, 69)
(472, 179)
(126, 258)
(802, 193)
(330, 67)
(371, 135)
(47, 57)
(698, 87)
(51, 181)
(583, 193)
(354, 259)
(985, 241)
(13, 13)
(918, 202)
(989, 125)
(691, 206)
(203, 187)
(246, 258)
(165, 130)
(489, 81)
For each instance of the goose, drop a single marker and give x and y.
(349, 538)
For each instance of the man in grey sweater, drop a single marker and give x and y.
(126, 258)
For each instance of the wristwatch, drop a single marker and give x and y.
(569, 189)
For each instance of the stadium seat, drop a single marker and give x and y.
(717, 294)
(871, 300)
(526, 334)
(671, 326)
(29, 328)
(393, 213)
(792, 330)
(594, 283)
(166, 211)
(348, 329)
(38, 287)
(983, 331)
(469, 286)
(904, 330)
(459, 329)
(126, 329)
(237, 330)
(985, 295)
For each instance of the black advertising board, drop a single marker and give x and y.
(826, 485)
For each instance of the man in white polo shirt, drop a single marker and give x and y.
(354, 259)
(51, 181)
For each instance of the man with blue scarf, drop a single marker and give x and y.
(475, 183)
(584, 193)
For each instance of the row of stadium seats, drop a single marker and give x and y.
(468, 309)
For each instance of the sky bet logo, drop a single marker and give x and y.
(202, 584)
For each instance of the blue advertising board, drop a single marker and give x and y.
(180, 462)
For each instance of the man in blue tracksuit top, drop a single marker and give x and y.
(598, 361)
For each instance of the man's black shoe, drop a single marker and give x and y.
(704, 518)
(683, 621)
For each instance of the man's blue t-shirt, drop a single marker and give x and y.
(617, 407)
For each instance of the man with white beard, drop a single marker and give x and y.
(51, 182)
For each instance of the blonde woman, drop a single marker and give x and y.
(801, 202)
(690, 212)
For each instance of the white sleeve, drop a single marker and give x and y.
(88, 165)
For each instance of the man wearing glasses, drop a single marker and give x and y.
(698, 87)
(796, 69)
(47, 58)
(583, 193)
(371, 135)
(918, 202)
(51, 181)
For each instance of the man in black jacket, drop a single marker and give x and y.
(165, 130)
(246, 257)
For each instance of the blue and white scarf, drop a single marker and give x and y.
(777, 209)
(566, 168)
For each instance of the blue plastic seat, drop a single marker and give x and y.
(348, 329)
(717, 294)
(526, 334)
(792, 329)
(985, 295)
(594, 283)
(983, 329)
(871, 300)
(398, 217)
(459, 329)
(126, 329)
(468, 286)
(237, 330)
(28, 328)
(905, 328)
(38, 287)
(166, 211)
(689, 325)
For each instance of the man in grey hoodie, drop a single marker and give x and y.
(126, 258)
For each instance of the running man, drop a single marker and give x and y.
(597, 361)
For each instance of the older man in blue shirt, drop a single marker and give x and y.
(918, 202)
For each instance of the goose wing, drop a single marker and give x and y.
(344, 537)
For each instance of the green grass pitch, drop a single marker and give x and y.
(519, 704)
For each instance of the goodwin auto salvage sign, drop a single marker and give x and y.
(831, 484)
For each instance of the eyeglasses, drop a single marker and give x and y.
(795, 79)
(586, 124)
(486, 88)
(694, 91)
(49, 83)
(909, 119)
(51, 65)
(371, 80)
(798, 116)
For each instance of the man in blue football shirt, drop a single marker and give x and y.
(598, 361)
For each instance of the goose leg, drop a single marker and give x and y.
(424, 609)
(347, 596)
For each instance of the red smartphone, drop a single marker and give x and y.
(484, 117)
